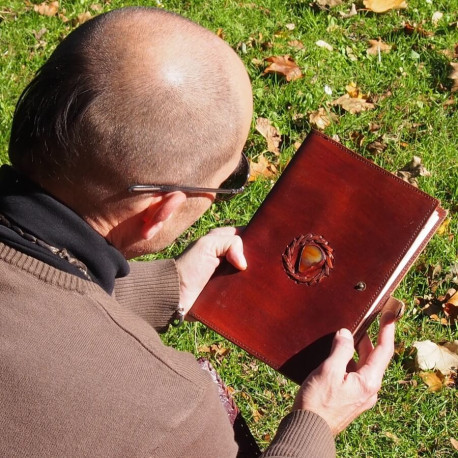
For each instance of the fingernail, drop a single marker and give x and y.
(388, 316)
(393, 309)
(345, 333)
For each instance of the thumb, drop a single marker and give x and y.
(235, 254)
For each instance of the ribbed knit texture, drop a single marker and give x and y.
(317, 443)
(83, 376)
(151, 291)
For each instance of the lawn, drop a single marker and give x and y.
(406, 107)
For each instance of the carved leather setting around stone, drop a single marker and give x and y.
(308, 259)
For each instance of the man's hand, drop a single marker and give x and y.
(198, 262)
(340, 390)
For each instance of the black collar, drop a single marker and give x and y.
(36, 212)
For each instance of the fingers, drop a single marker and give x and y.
(378, 360)
(341, 353)
(364, 349)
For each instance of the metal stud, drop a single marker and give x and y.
(360, 286)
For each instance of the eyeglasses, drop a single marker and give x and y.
(233, 185)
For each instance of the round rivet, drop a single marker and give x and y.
(360, 286)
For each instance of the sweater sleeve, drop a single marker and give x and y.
(302, 434)
(151, 291)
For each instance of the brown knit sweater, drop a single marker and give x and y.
(84, 374)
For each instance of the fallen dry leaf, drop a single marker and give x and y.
(378, 46)
(263, 168)
(296, 44)
(374, 127)
(443, 309)
(451, 308)
(431, 356)
(353, 90)
(38, 35)
(411, 29)
(351, 54)
(454, 76)
(351, 13)
(328, 3)
(437, 16)
(377, 146)
(285, 66)
(443, 228)
(358, 138)
(431, 379)
(454, 443)
(63, 18)
(412, 170)
(353, 105)
(393, 437)
(381, 6)
(214, 349)
(321, 118)
(256, 414)
(324, 44)
(47, 8)
(451, 297)
(270, 133)
(451, 53)
(81, 18)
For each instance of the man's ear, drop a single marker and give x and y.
(160, 211)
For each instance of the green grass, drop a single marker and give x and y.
(416, 114)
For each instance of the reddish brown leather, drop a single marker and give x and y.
(369, 217)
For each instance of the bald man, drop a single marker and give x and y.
(124, 138)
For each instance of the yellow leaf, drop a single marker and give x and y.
(353, 91)
(381, 6)
(256, 414)
(444, 227)
(262, 168)
(432, 380)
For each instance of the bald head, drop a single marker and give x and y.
(135, 95)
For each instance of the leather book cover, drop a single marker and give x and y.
(325, 250)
